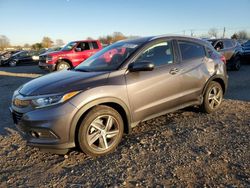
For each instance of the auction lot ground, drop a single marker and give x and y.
(185, 148)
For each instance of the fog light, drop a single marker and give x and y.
(35, 134)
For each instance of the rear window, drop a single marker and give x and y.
(228, 44)
(95, 45)
(191, 50)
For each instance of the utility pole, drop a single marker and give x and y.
(192, 32)
(224, 32)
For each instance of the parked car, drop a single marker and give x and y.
(6, 55)
(231, 50)
(94, 104)
(22, 57)
(70, 55)
(46, 50)
(246, 51)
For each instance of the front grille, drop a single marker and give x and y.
(16, 116)
(42, 58)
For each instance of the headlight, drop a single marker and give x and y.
(52, 100)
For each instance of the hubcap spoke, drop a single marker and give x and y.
(96, 126)
(111, 134)
(94, 137)
(212, 104)
(103, 142)
(109, 123)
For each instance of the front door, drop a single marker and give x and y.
(153, 92)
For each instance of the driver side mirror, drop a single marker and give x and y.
(78, 49)
(141, 66)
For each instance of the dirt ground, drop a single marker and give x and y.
(182, 149)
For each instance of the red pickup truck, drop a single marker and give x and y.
(70, 55)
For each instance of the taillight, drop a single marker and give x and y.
(222, 58)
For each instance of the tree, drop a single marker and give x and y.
(59, 42)
(118, 36)
(242, 35)
(4, 42)
(37, 46)
(47, 42)
(235, 36)
(213, 32)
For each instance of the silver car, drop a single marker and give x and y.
(94, 104)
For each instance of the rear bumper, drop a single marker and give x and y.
(46, 66)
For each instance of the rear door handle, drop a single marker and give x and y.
(174, 71)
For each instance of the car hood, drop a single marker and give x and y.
(56, 53)
(63, 82)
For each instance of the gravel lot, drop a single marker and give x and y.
(182, 149)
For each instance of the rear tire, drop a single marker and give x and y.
(100, 131)
(212, 98)
(62, 65)
(237, 64)
(12, 63)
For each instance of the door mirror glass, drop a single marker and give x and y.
(141, 66)
(78, 49)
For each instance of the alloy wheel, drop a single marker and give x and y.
(63, 66)
(215, 97)
(102, 132)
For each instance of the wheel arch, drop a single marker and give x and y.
(64, 59)
(114, 103)
(220, 80)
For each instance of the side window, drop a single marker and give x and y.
(95, 45)
(159, 54)
(191, 50)
(83, 46)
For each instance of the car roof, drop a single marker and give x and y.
(151, 38)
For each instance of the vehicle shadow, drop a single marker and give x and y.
(239, 84)
(26, 69)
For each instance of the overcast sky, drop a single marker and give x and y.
(28, 21)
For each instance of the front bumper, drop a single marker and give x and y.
(46, 66)
(46, 128)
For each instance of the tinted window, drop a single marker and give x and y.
(83, 46)
(191, 50)
(95, 45)
(159, 54)
(228, 44)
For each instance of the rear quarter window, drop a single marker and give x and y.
(190, 50)
(95, 45)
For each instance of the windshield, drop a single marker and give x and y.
(110, 58)
(69, 46)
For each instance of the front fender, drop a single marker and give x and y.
(84, 109)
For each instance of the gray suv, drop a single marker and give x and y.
(94, 104)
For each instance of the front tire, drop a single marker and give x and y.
(62, 65)
(212, 98)
(100, 131)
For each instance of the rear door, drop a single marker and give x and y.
(193, 70)
(153, 92)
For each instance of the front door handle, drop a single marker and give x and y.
(174, 71)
